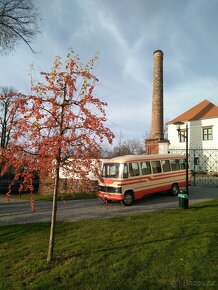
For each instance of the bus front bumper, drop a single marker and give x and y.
(110, 196)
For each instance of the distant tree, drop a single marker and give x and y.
(165, 129)
(8, 114)
(18, 21)
(126, 147)
(61, 119)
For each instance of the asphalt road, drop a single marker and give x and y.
(19, 212)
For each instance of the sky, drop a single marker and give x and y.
(126, 33)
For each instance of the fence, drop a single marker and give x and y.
(203, 164)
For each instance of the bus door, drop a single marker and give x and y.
(135, 179)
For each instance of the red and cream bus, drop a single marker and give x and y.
(131, 177)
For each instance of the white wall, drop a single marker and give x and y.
(173, 137)
(71, 174)
(211, 144)
(195, 135)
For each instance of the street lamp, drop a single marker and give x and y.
(185, 136)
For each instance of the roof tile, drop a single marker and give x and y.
(203, 110)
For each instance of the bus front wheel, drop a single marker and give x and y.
(128, 199)
(174, 189)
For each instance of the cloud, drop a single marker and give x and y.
(189, 94)
(126, 33)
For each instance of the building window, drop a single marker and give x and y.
(182, 136)
(207, 133)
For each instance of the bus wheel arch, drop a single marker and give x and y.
(174, 191)
(128, 198)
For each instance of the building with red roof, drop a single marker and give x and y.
(202, 121)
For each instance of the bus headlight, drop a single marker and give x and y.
(110, 189)
(102, 188)
(114, 189)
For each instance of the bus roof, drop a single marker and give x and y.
(131, 158)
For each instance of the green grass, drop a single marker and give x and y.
(160, 250)
(48, 197)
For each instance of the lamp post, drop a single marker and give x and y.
(185, 136)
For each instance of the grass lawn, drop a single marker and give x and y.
(160, 250)
(48, 197)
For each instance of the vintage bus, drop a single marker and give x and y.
(131, 177)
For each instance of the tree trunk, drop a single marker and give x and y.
(56, 187)
(53, 218)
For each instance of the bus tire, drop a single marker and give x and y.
(174, 191)
(128, 198)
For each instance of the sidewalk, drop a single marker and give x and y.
(202, 193)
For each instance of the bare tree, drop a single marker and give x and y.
(147, 133)
(18, 21)
(127, 147)
(7, 115)
(166, 129)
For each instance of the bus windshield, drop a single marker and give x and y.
(112, 170)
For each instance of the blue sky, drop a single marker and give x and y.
(125, 33)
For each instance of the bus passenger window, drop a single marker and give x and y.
(125, 171)
(182, 163)
(165, 165)
(146, 168)
(174, 164)
(156, 166)
(134, 169)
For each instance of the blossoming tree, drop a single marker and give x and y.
(61, 118)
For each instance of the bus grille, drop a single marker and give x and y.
(110, 189)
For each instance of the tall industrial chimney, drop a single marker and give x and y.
(156, 143)
(157, 98)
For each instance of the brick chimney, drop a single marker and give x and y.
(157, 98)
(156, 143)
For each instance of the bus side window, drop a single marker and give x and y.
(134, 169)
(174, 164)
(165, 165)
(156, 166)
(146, 168)
(125, 171)
(182, 163)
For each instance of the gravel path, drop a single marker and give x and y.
(19, 212)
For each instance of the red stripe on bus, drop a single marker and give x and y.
(155, 176)
(147, 179)
(142, 193)
(137, 194)
(110, 196)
